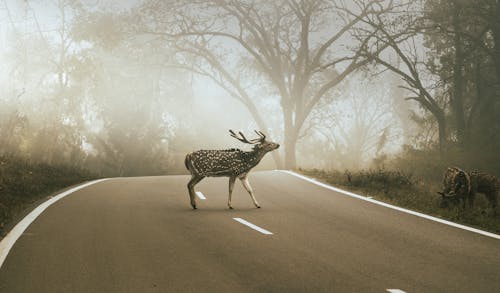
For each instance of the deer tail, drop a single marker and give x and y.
(188, 157)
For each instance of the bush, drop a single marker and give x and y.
(429, 165)
(23, 182)
(401, 188)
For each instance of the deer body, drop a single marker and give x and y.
(232, 163)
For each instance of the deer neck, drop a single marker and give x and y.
(254, 156)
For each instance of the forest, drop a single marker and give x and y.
(393, 88)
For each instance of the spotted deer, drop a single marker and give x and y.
(486, 184)
(232, 163)
(462, 186)
(456, 187)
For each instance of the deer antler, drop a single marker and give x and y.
(242, 137)
(261, 134)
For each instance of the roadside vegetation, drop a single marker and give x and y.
(128, 89)
(411, 182)
(23, 183)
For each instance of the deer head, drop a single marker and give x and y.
(260, 143)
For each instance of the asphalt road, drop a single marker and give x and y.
(140, 235)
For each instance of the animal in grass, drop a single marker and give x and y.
(232, 163)
(462, 186)
(486, 184)
(456, 187)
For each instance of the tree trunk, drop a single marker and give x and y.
(290, 155)
(457, 102)
(277, 160)
(438, 114)
(290, 139)
(441, 121)
(496, 46)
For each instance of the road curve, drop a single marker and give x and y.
(140, 235)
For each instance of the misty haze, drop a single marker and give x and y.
(364, 135)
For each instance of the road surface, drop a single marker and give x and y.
(140, 235)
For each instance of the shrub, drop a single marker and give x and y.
(401, 188)
(23, 182)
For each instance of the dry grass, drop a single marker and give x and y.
(407, 190)
(23, 182)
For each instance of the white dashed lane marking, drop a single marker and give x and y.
(395, 291)
(200, 195)
(255, 227)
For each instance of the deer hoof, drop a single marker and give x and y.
(258, 207)
(194, 206)
(230, 207)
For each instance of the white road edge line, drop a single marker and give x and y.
(485, 233)
(255, 227)
(11, 238)
(395, 291)
(200, 195)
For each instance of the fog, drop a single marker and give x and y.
(127, 88)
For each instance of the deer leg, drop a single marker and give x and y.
(247, 186)
(492, 198)
(194, 180)
(231, 186)
(472, 197)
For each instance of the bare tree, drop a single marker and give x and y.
(358, 126)
(297, 47)
(400, 34)
(41, 60)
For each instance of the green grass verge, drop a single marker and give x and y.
(402, 189)
(23, 183)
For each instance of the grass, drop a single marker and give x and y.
(405, 190)
(23, 183)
